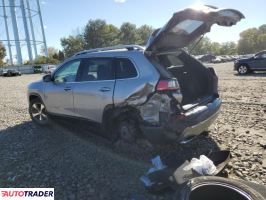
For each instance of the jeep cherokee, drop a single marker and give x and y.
(159, 92)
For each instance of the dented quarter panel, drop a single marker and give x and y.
(150, 111)
(135, 91)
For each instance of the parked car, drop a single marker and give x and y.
(207, 58)
(11, 72)
(1, 72)
(48, 69)
(37, 69)
(252, 63)
(217, 60)
(159, 92)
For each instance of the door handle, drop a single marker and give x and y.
(67, 88)
(105, 89)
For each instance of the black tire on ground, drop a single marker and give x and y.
(212, 187)
(243, 69)
(127, 130)
(38, 112)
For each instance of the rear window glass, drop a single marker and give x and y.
(95, 69)
(174, 61)
(187, 26)
(125, 69)
(170, 60)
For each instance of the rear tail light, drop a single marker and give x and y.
(170, 84)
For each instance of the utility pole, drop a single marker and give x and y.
(7, 33)
(15, 30)
(26, 29)
(43, 34)
(32, 30)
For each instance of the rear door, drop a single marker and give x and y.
(187, 25)
(95, 88)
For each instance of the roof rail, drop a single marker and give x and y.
(117, 47)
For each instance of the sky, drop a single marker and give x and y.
(63, 18)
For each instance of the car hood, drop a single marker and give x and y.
(187, 25)
(244, 59)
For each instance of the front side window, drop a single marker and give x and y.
(125, 68)
(68, 72)
(95, 69)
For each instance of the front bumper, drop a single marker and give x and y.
(235, 66)
(193, 123)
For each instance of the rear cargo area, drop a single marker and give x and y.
(196, 81)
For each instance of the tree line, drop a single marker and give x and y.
(97, 33)
(251, 41)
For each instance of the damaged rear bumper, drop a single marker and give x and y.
(192, 123)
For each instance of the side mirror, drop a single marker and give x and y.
(47, 78)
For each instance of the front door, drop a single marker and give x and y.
(59, 92)
(260, 61)
(95, 88)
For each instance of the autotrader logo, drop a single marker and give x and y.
(27, 193)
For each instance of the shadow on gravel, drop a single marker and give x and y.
(172, 155)
(253, 74)
(82, 167)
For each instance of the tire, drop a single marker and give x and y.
(38, 112)
(127, 130)
(212, 187)
(243, 69)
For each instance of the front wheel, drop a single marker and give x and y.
(38, 112)
(242, 69)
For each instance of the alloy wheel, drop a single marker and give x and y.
(242, 69)
(38, 113)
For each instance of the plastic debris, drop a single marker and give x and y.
(157, 165)
(203, 166)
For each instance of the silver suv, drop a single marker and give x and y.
(159, 92)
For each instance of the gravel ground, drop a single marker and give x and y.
(80, 164)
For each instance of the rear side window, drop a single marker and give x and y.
(95, 69)
(125, 68)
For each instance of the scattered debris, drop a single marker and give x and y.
(203, 166)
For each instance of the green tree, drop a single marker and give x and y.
(215, 48)
(248, 41)
(45, 60)
(144, 33)
(99, 34)
(261, 42)
(128, 33)
(203, 46)
(72, 45)
(55, 56)
(2, 53)
(228, 48)
(61, 56)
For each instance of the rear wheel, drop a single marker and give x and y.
(243, 69)
(38, 112)
(127, 130)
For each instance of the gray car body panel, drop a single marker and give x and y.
(187, 25)
(85, 100)
(158, 113)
